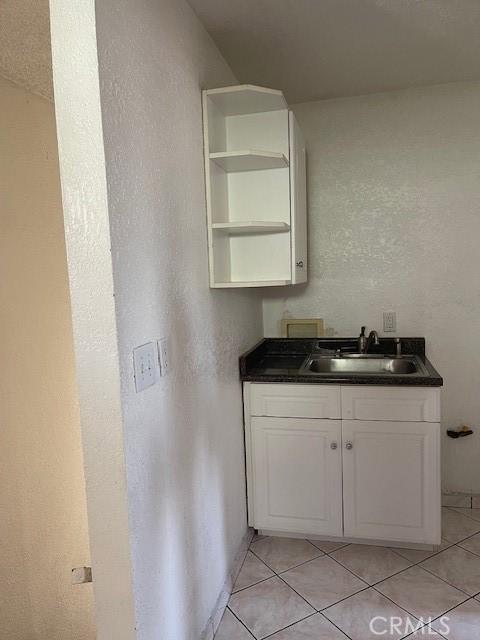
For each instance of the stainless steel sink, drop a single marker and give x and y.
(357, 364)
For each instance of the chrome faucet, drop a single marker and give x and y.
(372, 337)
(365, 343)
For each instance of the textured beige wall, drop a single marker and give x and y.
(43, 524)
(25, 55)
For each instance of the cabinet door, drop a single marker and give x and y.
(298, 201)
(391, 480)
(297, 475)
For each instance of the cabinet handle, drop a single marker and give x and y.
(333, 445)
(300, 264)
(349, 446)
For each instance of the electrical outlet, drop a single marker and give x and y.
(389, 321)
(164, 355)
(81, 575)
(145, 365)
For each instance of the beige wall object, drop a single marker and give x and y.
(302, 328)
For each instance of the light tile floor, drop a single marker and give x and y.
(293, 589)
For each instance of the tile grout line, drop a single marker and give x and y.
(409, 612)
(336, 626)
(419, 563)
(443, 614)
(316, 613)
(298, 594)
(378, 581)
(254, 584)
(327, 553)
(343, 600)
(415, 564)
(244, 560)
(349, 571)
(277, 573)
(434, 553)
(446, 582)
(241, 622)
(458, 544)
(301, 564)
(290, 625)
(454, 509)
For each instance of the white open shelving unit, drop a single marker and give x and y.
(256, 205)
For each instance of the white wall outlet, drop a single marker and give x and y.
(389, 321)
(164, 355)
(145, 365)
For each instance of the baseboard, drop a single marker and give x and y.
(222, 601)
(420, 546)
(457, 499)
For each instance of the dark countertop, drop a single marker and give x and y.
(281, 360)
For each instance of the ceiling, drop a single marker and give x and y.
(312, 49)
(315, 49)
(25, 56)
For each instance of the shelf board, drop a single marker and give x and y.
(250, 227)
(254, 283)
(246, 98)
(249, 160)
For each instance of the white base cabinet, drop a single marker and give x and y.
(297, 465)
(312, 472)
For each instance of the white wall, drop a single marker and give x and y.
(43, 523)
(394, 205)
(183, 438)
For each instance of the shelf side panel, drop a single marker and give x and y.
(298, 198)
(217, 127)
(216, 192)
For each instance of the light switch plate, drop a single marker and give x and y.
(145, 365)
(389, 321)
(164, 355)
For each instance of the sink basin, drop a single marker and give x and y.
(377, 365)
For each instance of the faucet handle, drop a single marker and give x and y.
(398, 345)
(362, 341)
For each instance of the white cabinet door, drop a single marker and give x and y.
(391, 480)
(298, 201)
(297, 475)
